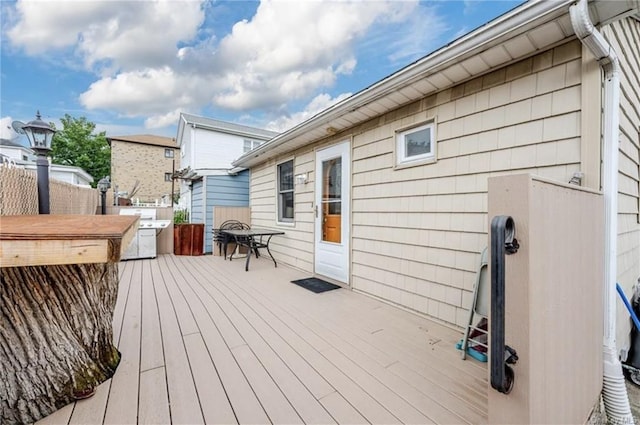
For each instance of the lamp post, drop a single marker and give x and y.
(40, 135)
(103, 185)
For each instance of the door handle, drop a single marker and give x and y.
(315, 208)
(503, 243)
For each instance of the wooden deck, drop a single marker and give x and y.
(203, 341)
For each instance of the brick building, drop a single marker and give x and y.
(147, 159)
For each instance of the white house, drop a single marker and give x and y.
(207, 149)
(15, 151)
(24, 157)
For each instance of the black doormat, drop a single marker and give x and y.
(315, 285)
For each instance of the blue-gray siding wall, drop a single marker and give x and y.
(224, 191)
(197, 210)
(197, 207)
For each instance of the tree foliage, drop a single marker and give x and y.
(77, 145)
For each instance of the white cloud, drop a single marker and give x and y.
(151, 90)
(115, 34)
(291, 49)
(287, 52)
(151, 62)
(470, 6)
(317, 104)
(165, 120)
(41, 26)
(407, 46)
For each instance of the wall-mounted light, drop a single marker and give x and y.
(301, 178)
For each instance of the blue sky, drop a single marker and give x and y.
(132, 66)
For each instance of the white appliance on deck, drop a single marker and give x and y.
(144, 244)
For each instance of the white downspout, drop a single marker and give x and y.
(614, 391)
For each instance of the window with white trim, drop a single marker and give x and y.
(168, 153)
(285, 191)
(250, 144)
(416, 144)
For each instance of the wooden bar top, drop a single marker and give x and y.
(36, 240)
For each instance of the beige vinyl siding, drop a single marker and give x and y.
(296, 247)
(418, 231)
(625, 38)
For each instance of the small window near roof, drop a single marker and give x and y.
(251, 144)
(416, 144)
(168, 153)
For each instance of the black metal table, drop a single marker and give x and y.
(253, 239)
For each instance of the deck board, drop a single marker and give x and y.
(91, 411)
(378, 361)
(271, 397)
(341, 410)
(154, 401)
(185, 405)
(122, 405)
(254, 329)
(125, 274)
(203, 341)
(216, 409)
(372, 408)
(60, 416)
(336, 336)
(246, 406)
(152, 355)
(367, 405)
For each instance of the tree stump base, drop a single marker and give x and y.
(56, 336)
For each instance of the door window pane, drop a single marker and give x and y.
(332, 200)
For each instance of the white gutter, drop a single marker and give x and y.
(235, 170)
(614, 391)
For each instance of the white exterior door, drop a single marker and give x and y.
(332, 212)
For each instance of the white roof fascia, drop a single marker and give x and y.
(235, 170)
(73, 169)
(182, 121)
(227, 127)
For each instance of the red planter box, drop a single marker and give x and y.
(188, 239)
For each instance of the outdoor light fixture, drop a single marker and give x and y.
(103, 185)
(40, 135)
(301, 178)
(331, 131)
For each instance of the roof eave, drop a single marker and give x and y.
(205, 123)
(232, 132)
(475, 41)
